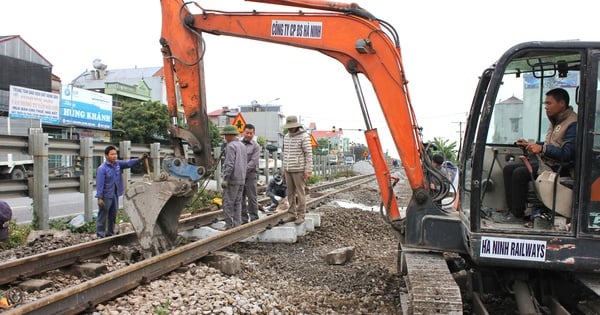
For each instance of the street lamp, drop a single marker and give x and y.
(273, 100)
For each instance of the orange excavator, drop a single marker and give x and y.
(546, 265)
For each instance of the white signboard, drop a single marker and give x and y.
(30, 103)
(297, 29)
(81, 107)
(512, 248)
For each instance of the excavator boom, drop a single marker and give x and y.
(357, 42)
(341, 31)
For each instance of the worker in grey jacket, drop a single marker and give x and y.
(234, 177)
(297, 167)
(249, 197)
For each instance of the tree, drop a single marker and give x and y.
(448, 150)
(322, 147)
(213, 133)
(142, 122)
(262, 141)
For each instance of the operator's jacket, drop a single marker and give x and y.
(297, 152)
(559, 145)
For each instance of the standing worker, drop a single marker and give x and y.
(249, 197)
(109, 186)
(297, 167)
(234, 177)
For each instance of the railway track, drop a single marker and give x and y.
(80, 297)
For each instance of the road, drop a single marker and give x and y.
(61, 205)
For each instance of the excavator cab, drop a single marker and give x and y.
(562, 206)
(509, 105)
(530, 258)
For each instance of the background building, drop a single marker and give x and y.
(267, 119)
(137, 84)
(22, 65)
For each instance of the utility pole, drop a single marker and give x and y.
(460, 132)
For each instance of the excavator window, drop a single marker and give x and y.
(518, 112)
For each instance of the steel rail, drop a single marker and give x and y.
(20, 269)
(86, 295)
(23, 268)
(79, 298)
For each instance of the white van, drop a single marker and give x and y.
(332, 159)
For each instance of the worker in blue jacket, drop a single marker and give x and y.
(109, 186)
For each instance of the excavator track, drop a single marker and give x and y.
(431, 287)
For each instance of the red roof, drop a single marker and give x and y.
(217, 112)
(318, 134)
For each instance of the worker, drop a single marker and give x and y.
(276, 188)
(249, 196)
(297, 166)
(5, 217)
(447, 168)
(234, 177)
(558, 147)
(109, 187)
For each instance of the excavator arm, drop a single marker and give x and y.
(345, 32)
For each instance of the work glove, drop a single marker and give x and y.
(224, 184)
(100, 202)
(269, 194)
(144, 157)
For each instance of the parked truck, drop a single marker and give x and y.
(17, 165)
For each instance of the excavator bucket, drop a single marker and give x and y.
(154, 207)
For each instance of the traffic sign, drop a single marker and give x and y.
(239, 122)
(313, 142)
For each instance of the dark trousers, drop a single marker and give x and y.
(250, 199)
(516, 186)
(232, 205)
(107, 215)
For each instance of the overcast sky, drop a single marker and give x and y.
(445, 45)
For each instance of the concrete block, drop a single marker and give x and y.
(253, 238)
(300, 228)
(279, 234)
(340, 256)
(35, 285)
(89, 269)
(315, 217)
(228, 263)
(310, 225)
(202, 232)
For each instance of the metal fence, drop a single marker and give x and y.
(90, 155)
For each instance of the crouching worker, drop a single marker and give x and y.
(276, 188)
(5, 217)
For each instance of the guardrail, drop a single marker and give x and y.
(41, 184)
(39, 187)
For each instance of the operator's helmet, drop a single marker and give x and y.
(277, 179)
